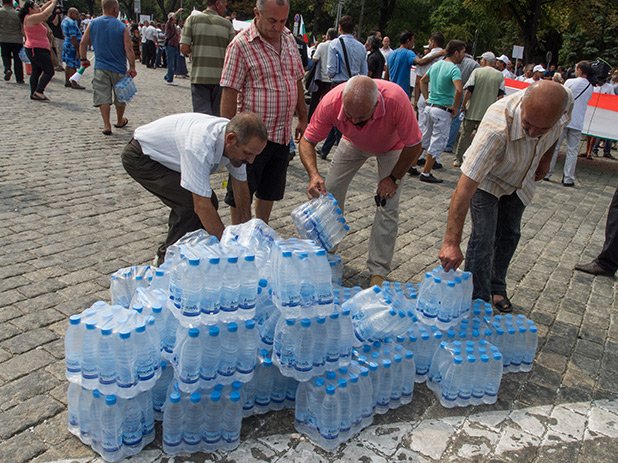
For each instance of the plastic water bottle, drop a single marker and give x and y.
(397, 367)
(232, 418)
(247, 351)
(494, 377)
(304, 354)
(159, 391)
(191, 288)
(409, 374)
(126, 378)
(319, 344)
(89, 368)
(190, 361)
(330, 416)
(333, 335)
(132, 429)
(386, 387)
(323, 279)
(125, 89)
(209, 302)
(211, 430)
(210, 355)
(346, 340)
(229, 353)
(451, 383)
(192, 432)
(96, 407)
(73, 402)
(531, 341)
(248, 286)
(146, 358)
(111, 429)
(172, 424)
(106, 361)
(72, 347)
(148, 428)
(284, 345)
(264, 385)
(466, 381)
(229, 289)
(86, 421)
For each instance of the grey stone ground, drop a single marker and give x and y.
(70, 216)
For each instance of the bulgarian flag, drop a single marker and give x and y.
(601, 118)
(302, 31)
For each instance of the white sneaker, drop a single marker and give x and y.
(173, 84)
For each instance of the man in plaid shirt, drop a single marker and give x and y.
(263, 74)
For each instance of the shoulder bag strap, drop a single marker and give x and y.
(345, 58)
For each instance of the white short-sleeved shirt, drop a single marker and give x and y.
(581, 89)
(191, 144)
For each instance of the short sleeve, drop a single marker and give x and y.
(471, 80)
(323, 119)
(407, 122)
(455, 74)
(234, 70)
(239, 173)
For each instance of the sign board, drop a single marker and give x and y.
(137, 6)
(518, 52)
(144, 17)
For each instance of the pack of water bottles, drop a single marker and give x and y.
(268, 390)
(376, 315)
(321, 220)
(125, 281)
(517, 339)
(205, 420)
(116, 428)
(422, 340)
(112, 349)
(125, 89)
(306, 347)
(444, 298)
(215, 354)
(301, 278)
(464, 374)
(332, 408)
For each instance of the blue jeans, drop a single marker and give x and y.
(172, 55)
(334, 137)
(452, 136)
(496, 229)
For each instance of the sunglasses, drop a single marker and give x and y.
(380, 201)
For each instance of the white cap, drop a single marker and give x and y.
(538, 68)
(504, 59)
(488, 56)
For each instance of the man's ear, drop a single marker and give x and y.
(230, 139)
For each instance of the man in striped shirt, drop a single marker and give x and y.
(263, 74)
(206, 37)
(510, 152)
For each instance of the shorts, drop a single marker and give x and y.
(103, 86)
(267, 175)
(435, 136)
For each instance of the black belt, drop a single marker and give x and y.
(445, 108)
(135, 144)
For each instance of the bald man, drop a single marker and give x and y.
(510, 152)
(376, 120)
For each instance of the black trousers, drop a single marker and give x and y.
(608, 259)
(42, 69)
(149, 53)
(164, 183)
(10, 55)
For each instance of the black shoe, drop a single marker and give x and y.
(568, 184)
(7, 74)
(413, 172)
(430, 179)
(594, 269)
(437, 165)
(608, 156)
(420, 162)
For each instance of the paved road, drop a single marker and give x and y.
(70, 216)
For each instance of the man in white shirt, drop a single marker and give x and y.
(582, 90)
(386, 47)
(173, 158)
(320, 59)
(149, 49)
(501, 64)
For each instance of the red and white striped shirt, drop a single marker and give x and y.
(267, 81)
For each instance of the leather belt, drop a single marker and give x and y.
(445, 108)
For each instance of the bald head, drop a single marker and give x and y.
(543, 105)
(110, 6)
(73, 13)
(360, 96)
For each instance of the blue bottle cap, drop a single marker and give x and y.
(320, 320)
(124, 334)
(345, 312)
(91, 326)
(334, 316)
(386, 363)
(196, 397)
(232, 260)
(263, 283)
(471, 359)
(354, 378)
(194, 262)
(330, 389)
(213, 331)
(497, 356)
(175, 397)
(409, 354)
(236, 385)
(320, 252)
(96, 393)
(318, 382)
(232, 327)
(450, 284)
(234, 396)
(397, 358)
(106, 331)
(194, 332)
(484, 358)
(249, 324)
(157, 309)
(330, 374)
(342, 383)
(457, 360)
(305, 323)
(140, 329)
(163, 365)
(343, 370)
(286, 254)
(159, 272)
(249, 258)
(110, 399)
(215, 396)
(218, 387)
(373, 366)
(377, 289)
(364, 371)
(267, 362)
(75, 319)
(214, 261)
(437, 280)
(290, 321)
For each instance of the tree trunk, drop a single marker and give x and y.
(90, 7)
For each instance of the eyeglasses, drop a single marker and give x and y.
(380, 201)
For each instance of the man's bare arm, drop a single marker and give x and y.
(242, 199)
(208, 215)
(229, 97)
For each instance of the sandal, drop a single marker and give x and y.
(38, 98)
(106, 132)
(125, 121)
(504, 306)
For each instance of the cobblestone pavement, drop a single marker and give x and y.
(70, 216)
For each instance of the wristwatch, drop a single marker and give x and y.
(394, 179)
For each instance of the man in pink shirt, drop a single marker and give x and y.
(376, 119)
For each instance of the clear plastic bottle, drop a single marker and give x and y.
(159, 391)
(304, 356)
(494, 377)
(289, 281)
(106, 361)
(192, 429)
(386, 387)
(85, 417)
(231, 422)
(397, 367)
(173, 424)
(209, 302)
(145, 364)
(323, 279)
(264, 385)
(330, 416)
(189, 360)
(230, 287)
(148, 426)
(211, 353)
(333, 335)
(90, 372)
(211, 426)
(191, 281)
(346, 339)
(72, 347)
(248, 351)
(319, 345)
(111, 429)
(451, 382)
(345, 409)
(126, 377)
(132, 429)
(95, 414)
(285, 342)
(248, 286)
(73, 405)
(229, 353)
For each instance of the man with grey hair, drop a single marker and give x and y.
(510, 152)
(263, 73)
(174, 157)
(376, 120)
(485, 85)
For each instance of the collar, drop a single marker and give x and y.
(253, 33)
(379, 112)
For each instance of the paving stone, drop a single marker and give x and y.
(27, 414)
(21, 448)
(28, 340)
(34, 384)
(25, 363)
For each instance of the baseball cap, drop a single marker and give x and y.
(504, 59)
(488, 56)
(538, 68)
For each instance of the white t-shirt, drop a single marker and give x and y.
(422, 69)
(507, 74)
(582, 92)
(150, 33)
(385, 52)
(191, 144)
(321, 54)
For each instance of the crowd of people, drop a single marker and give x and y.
(370, 101)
